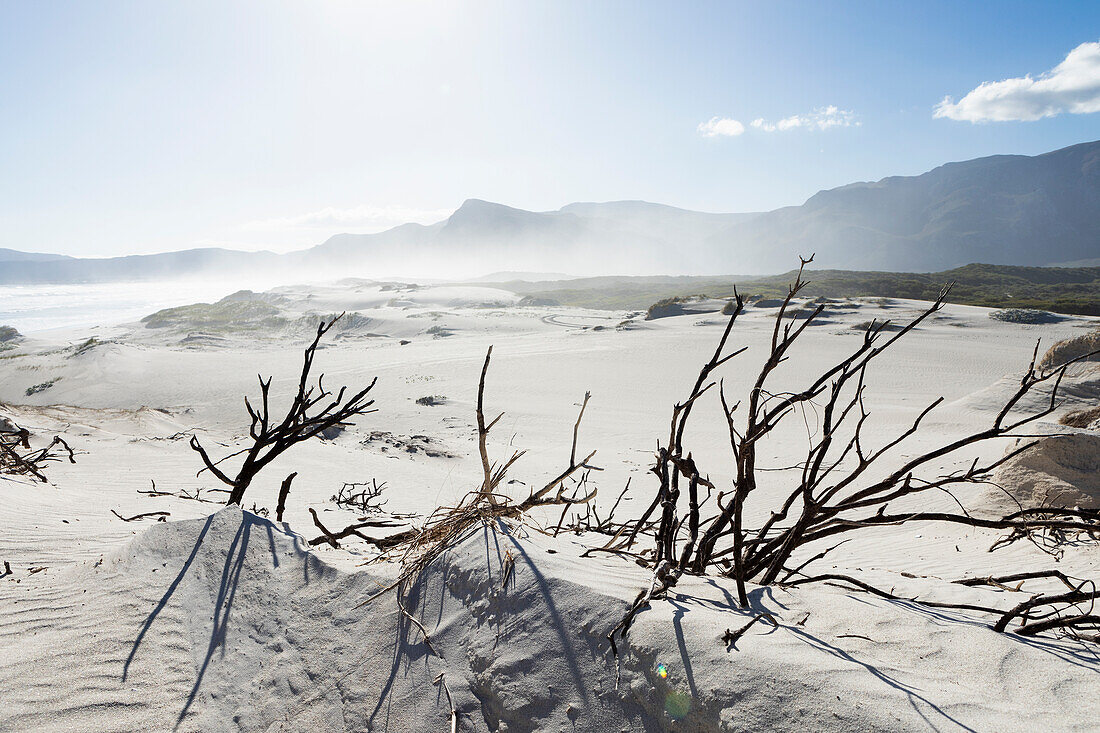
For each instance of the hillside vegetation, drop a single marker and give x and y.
(1074, 290)
(223, 316)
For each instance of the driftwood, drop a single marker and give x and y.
(833, 492)
(313, 410)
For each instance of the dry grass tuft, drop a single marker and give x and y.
(416, 548)
(1070, 349)
(1080, 418)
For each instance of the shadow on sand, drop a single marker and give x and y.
(235, 557)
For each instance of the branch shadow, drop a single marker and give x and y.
(227, 591)
(230, 578)
(1078, 653)
(405, 654)
(763, 600)
(165, 598)
(555, 617)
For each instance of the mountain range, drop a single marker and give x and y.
(1039, 210)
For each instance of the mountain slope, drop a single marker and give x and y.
(629, 237)
(1005, 209)
(11, 255)
(190, 262)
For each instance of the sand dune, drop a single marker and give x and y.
(226, 620)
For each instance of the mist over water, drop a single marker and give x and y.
(31, 308)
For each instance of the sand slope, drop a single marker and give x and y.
(229, 623)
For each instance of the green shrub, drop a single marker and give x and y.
(1024, 315)
(231, 315)
(673, 306)
(35, 389)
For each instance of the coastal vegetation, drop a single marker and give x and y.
(1070, 290)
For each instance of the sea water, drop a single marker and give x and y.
(30, 308)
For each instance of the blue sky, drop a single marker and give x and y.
(143, 127)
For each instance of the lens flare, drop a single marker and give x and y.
(662, 671)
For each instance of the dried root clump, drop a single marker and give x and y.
(1081, 418)
(17, 458)
(1079, 347)
(416, 548)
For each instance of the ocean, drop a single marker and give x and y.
(30, 308)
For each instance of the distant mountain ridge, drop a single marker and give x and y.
(622, 236)
(1003, 210)
(11, 255)
(25, 268)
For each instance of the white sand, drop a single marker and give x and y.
(261, 634)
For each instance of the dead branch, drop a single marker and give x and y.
(1080, 621)
(17, 458)
(837, 487)
(730, 638)
(1034, 606)
(488, 485)
(161, 516)
(313, 410)
(284, 490)
(326, 534)
(441, 681)
(183, 494)
(416, 622)
(664, 577)
(365, 498)
(1001, 581)
(351, 530)
(154, 491)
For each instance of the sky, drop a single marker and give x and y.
(136, 127)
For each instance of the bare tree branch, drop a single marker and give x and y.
(311, 412)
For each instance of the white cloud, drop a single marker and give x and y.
(1072, 86)
(721, 126)
(821, 118)
(374, 218)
